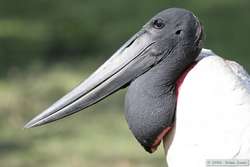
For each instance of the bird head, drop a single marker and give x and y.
(149, 63)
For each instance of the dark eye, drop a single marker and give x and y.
(178, 32)
(158, 24)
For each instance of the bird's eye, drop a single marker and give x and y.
(158, 24)
(178, 32)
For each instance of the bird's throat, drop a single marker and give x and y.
(150, 104)
(150, 107)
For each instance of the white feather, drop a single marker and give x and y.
(213, 114)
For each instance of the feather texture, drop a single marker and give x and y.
(213, 114)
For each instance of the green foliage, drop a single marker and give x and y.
(89, 139)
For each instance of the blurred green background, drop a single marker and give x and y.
(48, 46)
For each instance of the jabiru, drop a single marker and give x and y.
(169, 92)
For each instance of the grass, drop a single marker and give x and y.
(97, 137)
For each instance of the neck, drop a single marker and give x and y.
(151, 99)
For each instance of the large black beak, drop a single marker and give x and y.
(130, 61)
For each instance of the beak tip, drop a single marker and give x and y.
(33, 123)
(29, 125)
(39, 120)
